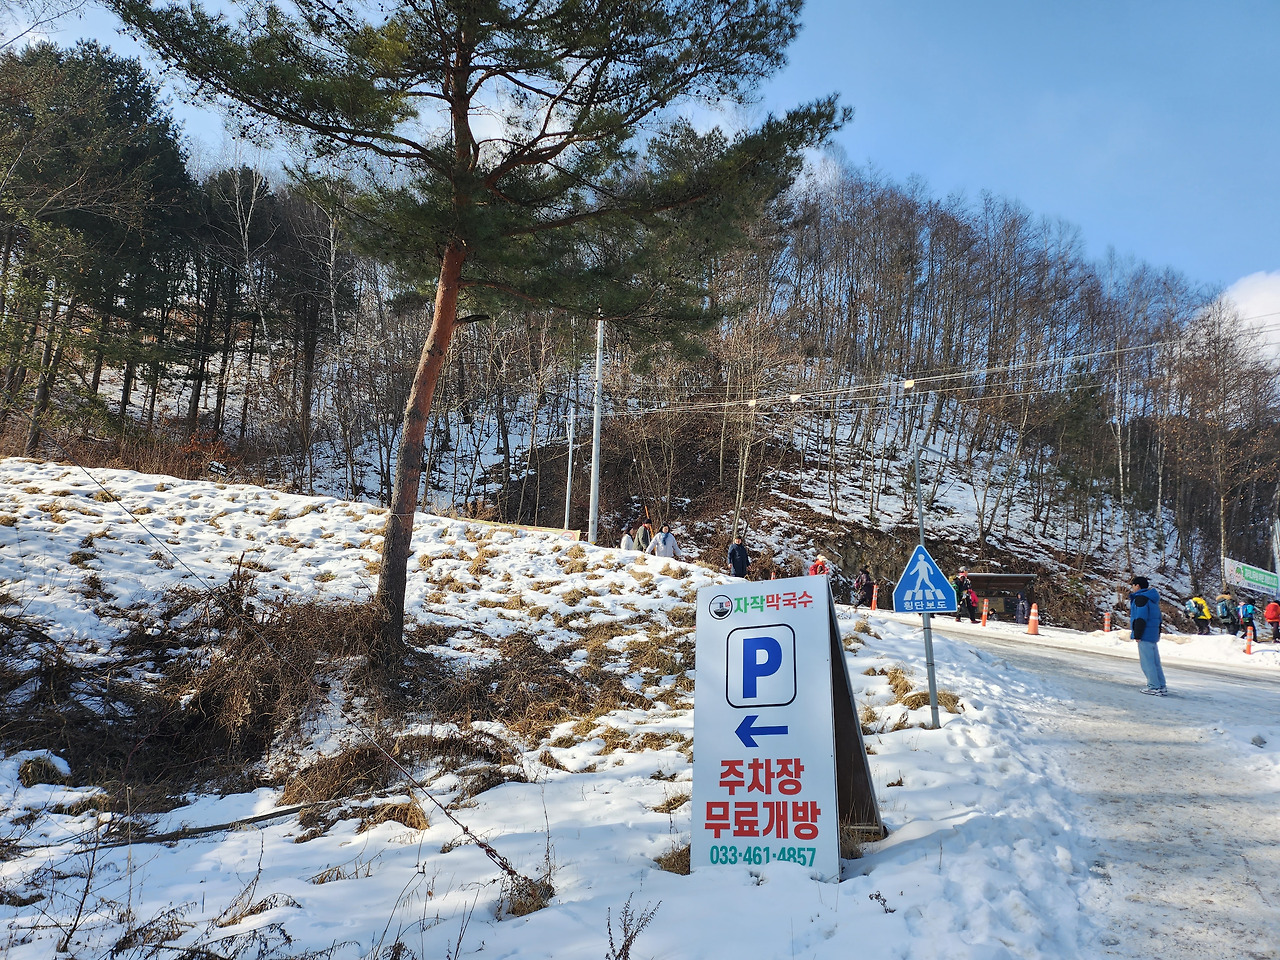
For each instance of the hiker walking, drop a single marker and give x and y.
(819, 567)
(664, 544)
(1227, 613)
(643, 536)
(966, 599)
(1200, 614)
(1244, 612)
(1272, 616)
(862, 585)
(1144, 623)
(738, 558)
(626, 541)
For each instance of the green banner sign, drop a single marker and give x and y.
(1251, 578)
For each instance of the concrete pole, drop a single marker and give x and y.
(593, 524)
(568, 481)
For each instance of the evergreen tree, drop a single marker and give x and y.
(517, 122)
(93, 207)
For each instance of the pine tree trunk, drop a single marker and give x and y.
(398, 534)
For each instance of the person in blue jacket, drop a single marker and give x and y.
(1144, 618)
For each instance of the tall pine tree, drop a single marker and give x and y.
(526, 126)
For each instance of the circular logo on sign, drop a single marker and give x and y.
(721, 607)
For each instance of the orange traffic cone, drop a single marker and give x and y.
(1033, 621)
(875, 596)
(1106, 622)
(985, 604)
(1248, 639)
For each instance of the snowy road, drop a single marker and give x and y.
(1185, 827)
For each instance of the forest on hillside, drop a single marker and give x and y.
(160, 316)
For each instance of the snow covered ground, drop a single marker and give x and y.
(1058, 814)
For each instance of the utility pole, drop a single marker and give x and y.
(593, 523)
(568, 480)
(928, 632)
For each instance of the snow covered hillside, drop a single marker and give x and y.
(548, 729)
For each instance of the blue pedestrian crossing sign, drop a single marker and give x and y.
(922, 587)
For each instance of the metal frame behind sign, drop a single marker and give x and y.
(860, 819)
(780, 770)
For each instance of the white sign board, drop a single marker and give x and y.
(1251, 578)
(764, 769)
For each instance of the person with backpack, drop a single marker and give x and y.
(1245, 614)
(966, 598)
(1200, 615)
(819, 567)
(1227, 615)
(1144, 623)
(1272, 615)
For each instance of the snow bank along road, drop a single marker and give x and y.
(1185, 826)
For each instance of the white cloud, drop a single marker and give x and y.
(1258, 298)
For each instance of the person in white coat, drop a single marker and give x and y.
(664, 544)
(626, 542)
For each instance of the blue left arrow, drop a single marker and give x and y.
(747, 731)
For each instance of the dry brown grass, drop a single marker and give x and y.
(210, 716)
(39, 770)
(455, 750)
(946, 699)
(358, 770)
(480, 562)
(653, 656)
(430, 634)
(683, 616)
(673, 803)
(852, 840)
(675, 860)
(868, 717)
(660, 741)
(547, 759)
(615, 739)
(573, 597)
(900, 682)
(406, 813)
(526, 688)
(522, 896)
(644, 578)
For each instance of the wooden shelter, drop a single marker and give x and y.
(1002, 589)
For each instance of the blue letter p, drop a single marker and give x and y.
(753, 668)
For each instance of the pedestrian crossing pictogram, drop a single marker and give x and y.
(923, 588)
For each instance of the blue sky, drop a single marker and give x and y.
(1153, 126)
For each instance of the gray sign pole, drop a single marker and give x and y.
(928, 633)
